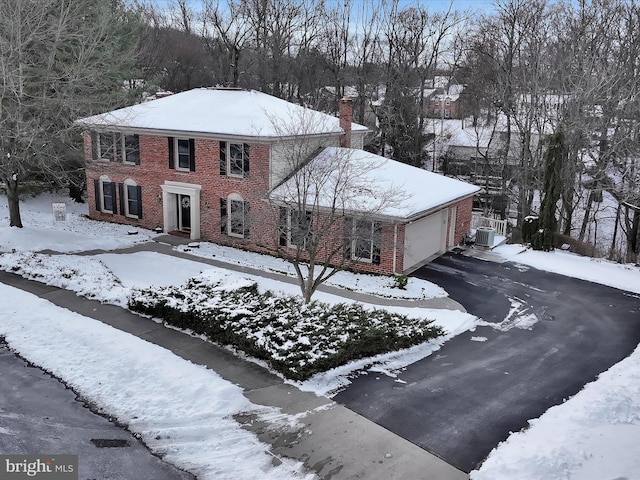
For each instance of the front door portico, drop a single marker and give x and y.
(181, 208)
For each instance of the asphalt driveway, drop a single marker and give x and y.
(40, 415)
(550, 335)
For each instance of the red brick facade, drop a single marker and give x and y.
(153, 171)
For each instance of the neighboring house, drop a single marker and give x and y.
(203, 163)
(446, 103)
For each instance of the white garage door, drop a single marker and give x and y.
(424, 238)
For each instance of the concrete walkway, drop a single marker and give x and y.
(165, 244)
(334, 442)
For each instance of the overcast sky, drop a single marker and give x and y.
(480, 5)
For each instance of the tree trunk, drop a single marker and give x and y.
(587, 216)
(309, 290)
(633, 238)
(13, 200)
(612, 250)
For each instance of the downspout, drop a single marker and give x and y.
(395, 246)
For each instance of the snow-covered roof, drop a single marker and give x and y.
(232, 112)
(479, 137)
(368, 182)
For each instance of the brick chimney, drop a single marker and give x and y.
(345, 114)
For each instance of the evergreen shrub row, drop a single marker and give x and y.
(295, 339)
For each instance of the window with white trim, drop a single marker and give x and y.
(362, 240)
(295, 228)
(105, 195)
(182, 154)
(234, 159)
(130, 199)
(234, 216)
(131, 148)
(115, 147)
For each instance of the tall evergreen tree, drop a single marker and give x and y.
(555, 157)
(61, 59)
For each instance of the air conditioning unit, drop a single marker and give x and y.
(485, 236)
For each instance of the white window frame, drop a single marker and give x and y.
(177, 154)
(123, 148)
(117, 146)
(290, 228)
(125, 190)
(105, 179)
(229, 160)
(356, 237)
(232, 199)
(98, 148)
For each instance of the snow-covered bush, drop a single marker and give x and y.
(296, 339)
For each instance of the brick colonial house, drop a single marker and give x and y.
(203, 164)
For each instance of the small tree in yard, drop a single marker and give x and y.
(329, 206)
(59, 61)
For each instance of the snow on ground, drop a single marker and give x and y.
(363, 283)
(77, 233)
(594, 435)
(123, 374)
(183, 412)
(591, 436)
(597, 270)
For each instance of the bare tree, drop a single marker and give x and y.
(419, 44)
(229, 23)
(58, 58)
(329, 205)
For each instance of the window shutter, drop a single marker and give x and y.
(347, 237)
(192, 155)
(223, 158)
(283, 227)
(171, 153)
(377, 243)
(96, 193)
(247, 223)
(121, 195)
(245, 156)
(223, 215)
(114, 205)
(139, 193)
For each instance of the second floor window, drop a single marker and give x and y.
(115, 147)
(182, 154)
(234, 159)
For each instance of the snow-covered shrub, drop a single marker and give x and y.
(296, 339)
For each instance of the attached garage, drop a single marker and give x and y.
(424, 239)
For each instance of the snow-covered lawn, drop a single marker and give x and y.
(182, 411)
(597, 270)
(593, 435)
(112, 369)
